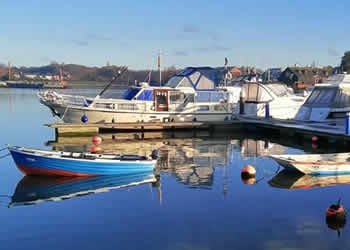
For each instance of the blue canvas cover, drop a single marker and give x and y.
(146, 95)
(130, 93)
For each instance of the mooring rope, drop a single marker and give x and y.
(3, 156)
(3, 148)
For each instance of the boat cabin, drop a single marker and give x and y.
(327, 101)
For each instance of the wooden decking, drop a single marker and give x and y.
(326, 132)
(292, 128)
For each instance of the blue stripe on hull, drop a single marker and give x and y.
(84, 167)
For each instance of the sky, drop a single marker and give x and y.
(186, 33)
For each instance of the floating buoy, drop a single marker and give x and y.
(335, 209)
(248, 172)
(95, 149)
(84, 118)
(314, 138)
(336, 217)
(96, 140)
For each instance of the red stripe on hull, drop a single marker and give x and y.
(49, 172)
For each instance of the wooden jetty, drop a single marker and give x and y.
(286, 128)
(78, 129)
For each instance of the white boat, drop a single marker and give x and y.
(328, 102)
(191, 95)
(316, 164)
(283, 103)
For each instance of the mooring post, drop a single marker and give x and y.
(347, 123)
(267, 110)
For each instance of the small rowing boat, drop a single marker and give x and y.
(316, 164)
(61, 163)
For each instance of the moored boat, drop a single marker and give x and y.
(193, 94)
(282, 102)
(316, 164)
(43, 162)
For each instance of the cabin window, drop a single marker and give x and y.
(189, 97)
(342, 99)
(174, 81)
(202, 96)
(194, 77)
(219, 108)
(185, 83)
(205, 83)
(104, 105)
(161, 98)
(322, 96)
(203, 108)
(313, 96)
(176, 97)
(127, 106)
(217, 96)
(326, 96)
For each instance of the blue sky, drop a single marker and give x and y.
(189, 33)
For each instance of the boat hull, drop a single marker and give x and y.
(31, 164)
(74, 114)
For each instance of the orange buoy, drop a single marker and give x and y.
(248, 171)
(96, 140)
(95, 149)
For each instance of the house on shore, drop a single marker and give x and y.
(304, 77)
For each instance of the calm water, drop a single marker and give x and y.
(200, 201)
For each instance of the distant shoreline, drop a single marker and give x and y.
(93, 85)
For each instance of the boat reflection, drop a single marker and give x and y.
(32, 190)
(254, 148)
(296, 180)
(192, 160)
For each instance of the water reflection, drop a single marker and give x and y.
(191, 160)
(297, 180)
(36, 189)
(254, 148)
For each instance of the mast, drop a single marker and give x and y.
(9, 71)
(160, 71)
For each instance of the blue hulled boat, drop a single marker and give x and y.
(32, 190)
(42, 162)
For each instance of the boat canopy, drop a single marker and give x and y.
(201, 78)
(255, 92)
